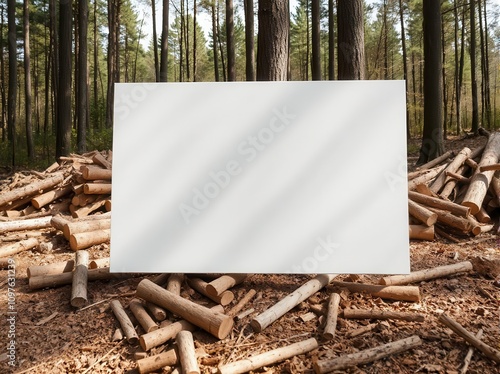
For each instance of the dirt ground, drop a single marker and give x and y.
(53, 337)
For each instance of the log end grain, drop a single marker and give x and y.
(225, 327)
(226, 297)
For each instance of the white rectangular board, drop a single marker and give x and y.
(260, 177)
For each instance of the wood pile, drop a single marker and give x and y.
(455, 195)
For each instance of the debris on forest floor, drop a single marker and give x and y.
(74, 316)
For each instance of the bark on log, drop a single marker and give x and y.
(87, 239)
(482, 216)
(58, 222)
(25, 224)
(77, 227)
(427, 274)
(362, 330)
(23, 245)
(158, 313)
(381, 314)
(56, 268)
(124, 320)
(47, 197)
(302, 293)
(80, 278)
(436, 161)
(62, 279)
(495, 187)
(268, 358)
(142, 316)
(424, 178)
(219, 285)
(164, 334)
(87, 209)
(421, 213)
(97, 188)
(156, 362)
(421, 232)
(366, 356)
(241, 304)
(174, 283)
(215, 323)
(331, 316)
(489, 167)
(30, 189)
(187, 355)
(101, 160)
(481, 180)
(95, 173)
(200, 285)
(449, 219)
(450, 185)
(401, 293)
(470, 352)
(438, 183)
(488, 351)
(439, 204)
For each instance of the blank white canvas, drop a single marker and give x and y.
(260, 177)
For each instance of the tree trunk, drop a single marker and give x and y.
(27, 80)
(405, 65)
(155, 41)
(219, 41)
(316, 40)
(3, 100)
(272, 43)
(164, 43)
(195, 41)
(231, 69)
(214, 43)
(249, 40)
(432, 140)
(83, 23)
(96, 71)
(350, 40)
(475, 107)
(111, 62)
(12, 96)
(331, 41)
(445, 82)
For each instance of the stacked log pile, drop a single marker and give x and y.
(456, 197)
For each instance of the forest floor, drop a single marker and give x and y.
(53, 337)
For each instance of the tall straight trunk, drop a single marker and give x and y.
(405, 65)
(3, 102)
(249, 40)
(231, 68)
(432, 140)
(461, 64)
(445, 82)
(414, 87)
(273, 40)
(155, 41)
(27, 80)
(63, 135)
(475, 107)
(137, 46)
(83, 17)
(483, 69)
(316, 40)
(96, 71)
(219, 40)
(36, 97)
(456, 75)
(181, 44)
(186, 40)
(487, 66)
(47, 70)
(12, 96)
(350, 39)
(485, 73)
(308, 42)
(195, 41)
(386, 46)
(331, 41)
(164, 43)
(112, 9)
(54, 38)
(214, 43)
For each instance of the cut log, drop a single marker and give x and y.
(87, 239)
(80, 277)
(436, 161)
(331, 316)
(55, 268)
(101, 160)
(187, 355)
(12, 249)
(174, 283)
(458, 177)
(30, 189)
(427, 274)
(451, 220)
(142, 316)
(62, 279)
(424, 178)
(450, 185)
(124, 320)
(221, 284)
(77, 227)
(366, 356)
(488, 351)
(438, 183)
(156, 362)
(495, 187)
(241, 304)
(421, 213)
(158, 313)
(470, 352)
(489, 167)
(381, 314)
(164, 334)
(302, 293)
(87, 209)
(402, 293)
(481, 180)
(25, 224)
(362, 330)
(268, 358)
(58, 222)
(218, 324)
(95, 173)
(201, 286)
(99, 263)
(97, 188)
(482, 216)
(47, 197)
(456, 209)
(421, 232)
